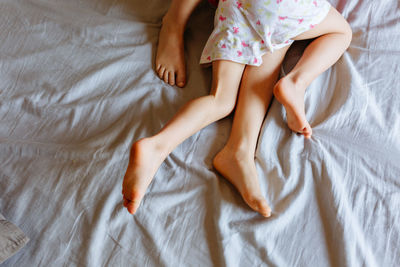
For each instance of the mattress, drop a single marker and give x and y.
(77, 87)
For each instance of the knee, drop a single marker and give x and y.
(348, 34)
(223, 105)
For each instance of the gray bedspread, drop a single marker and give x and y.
(12, 239)
(77, 87)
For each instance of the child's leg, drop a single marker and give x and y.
(147, 154)
(170, 61)
(333, 38)
(236, 160)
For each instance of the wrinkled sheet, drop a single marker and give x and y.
(12, 239)
(77, 87)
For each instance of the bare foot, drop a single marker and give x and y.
(241, 171)
(291, 96)
(145, 159)
(170, 59)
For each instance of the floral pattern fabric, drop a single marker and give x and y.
(244, 30)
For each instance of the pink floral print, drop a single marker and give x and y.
(244, 30)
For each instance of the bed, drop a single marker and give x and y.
(77, 87)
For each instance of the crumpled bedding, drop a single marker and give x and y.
(77, 88)
(12, 239)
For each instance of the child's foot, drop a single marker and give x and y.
(291, 95)
(170, 61)
(240, 170)
(145, 159)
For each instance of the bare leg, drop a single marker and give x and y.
(147, 154)
(333, 38)
(170, 59)
(236, 160)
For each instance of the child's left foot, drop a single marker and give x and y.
(240, 170)
(291, 95)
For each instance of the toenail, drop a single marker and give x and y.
(181, 83)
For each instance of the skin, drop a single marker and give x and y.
(170, 61)
(257, 87)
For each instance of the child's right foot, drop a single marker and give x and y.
(170, 61)
(145, 159)
(291, 95)
(241, 171)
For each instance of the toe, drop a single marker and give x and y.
(132, 199)
(180, 78)
(161, 72)
(304, 130)
(264, 209)
(308, 135)
(166, 75)
(310, 130)
(258, 203)
(132, 207)
(307, 131)
(158, 66)
(171, 78)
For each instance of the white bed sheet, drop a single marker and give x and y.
(77, 87)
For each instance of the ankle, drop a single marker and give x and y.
(300, 80)
(170, 21)
(164, 144)
(240, 150)
(154, 144)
